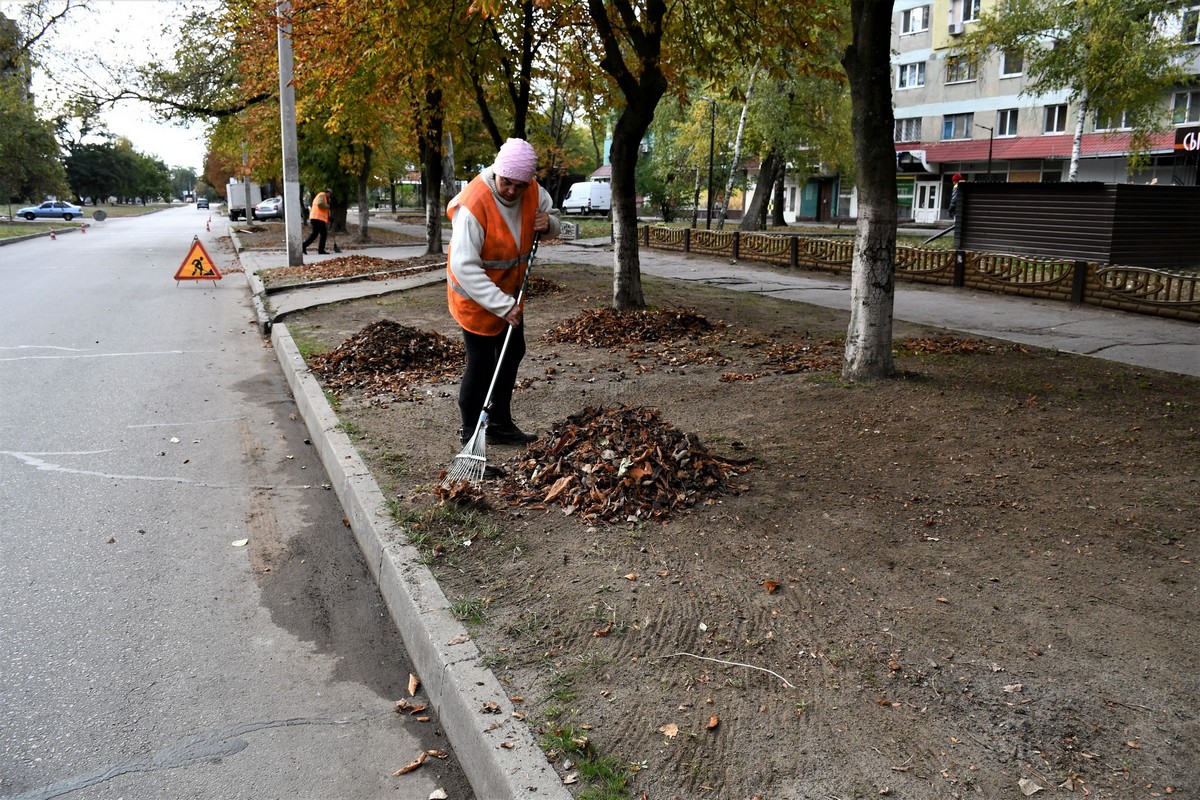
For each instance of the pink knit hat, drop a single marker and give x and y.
(516, 161)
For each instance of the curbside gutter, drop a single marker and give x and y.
(497, 752)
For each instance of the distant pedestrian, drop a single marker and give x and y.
(318, 217)
(955, 181)
(494, 220)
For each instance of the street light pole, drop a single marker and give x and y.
(712, 138)
(991, 138)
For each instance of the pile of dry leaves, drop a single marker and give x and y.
(604, 327)
(619, 465)
(389, 357)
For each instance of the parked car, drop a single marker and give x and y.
(51, 209)
(271, 208)
(202, 202)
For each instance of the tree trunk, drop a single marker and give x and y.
(642, 88)
(431, 178)
(364, 207)
(627, 269)
(778, 220)
(737, 152)
(449, 189)
(868, 353)
(1077, 142)
(756, 212)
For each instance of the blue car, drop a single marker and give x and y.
(51, 209)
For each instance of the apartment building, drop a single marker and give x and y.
(955, 116)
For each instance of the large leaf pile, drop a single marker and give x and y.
(389, 357)
(604, 327)
(353, 266)
(619, 465)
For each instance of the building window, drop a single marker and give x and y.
(908, 130)
(1011, 64)
(1190, 31)
(914, 20)
(971, 10)
(911, 75)
(960, 69)
(1006, 122)
(1187, 108)
(1112, 122)
(1056, 119)
(957, 126)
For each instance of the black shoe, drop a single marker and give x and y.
(508, 434)
(323, 252)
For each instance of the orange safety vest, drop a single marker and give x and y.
(501, 261)
(316, 212)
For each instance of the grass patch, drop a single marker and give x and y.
(470, 609)
(443, 529)
(605, 777)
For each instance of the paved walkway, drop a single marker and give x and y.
(1134, 339)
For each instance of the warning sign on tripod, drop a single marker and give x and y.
(198, 265)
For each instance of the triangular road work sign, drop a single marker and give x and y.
(198, 265)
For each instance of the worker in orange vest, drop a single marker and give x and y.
(318, 217)
(494, 220)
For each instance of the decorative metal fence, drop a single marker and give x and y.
(1165, 293)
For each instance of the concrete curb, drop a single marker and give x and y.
(497, 752)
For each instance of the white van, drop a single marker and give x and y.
(588, 197)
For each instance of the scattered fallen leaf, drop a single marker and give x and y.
(713, 722)
(414, 683)
(942, 600)
(670, 730)
(410, 766)
(572, 778)
(462, 638)
(442, 754)
(490, 707)
(438, 794)
(1029, 787)
(632, 576)
(600, 633)
(770, 586)
(1013, 688)
(507, 745)
(1133, 745)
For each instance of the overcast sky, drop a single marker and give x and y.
(118, 31)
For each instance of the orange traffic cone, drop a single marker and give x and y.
(53, 238)
(82, 229)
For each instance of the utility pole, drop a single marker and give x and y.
(287, 127)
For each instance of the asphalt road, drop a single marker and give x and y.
(145, 651)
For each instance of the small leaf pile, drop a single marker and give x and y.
(618, 465)
(386, 356)
(605, 327)
(352, 266)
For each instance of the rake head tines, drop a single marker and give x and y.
(470, 464)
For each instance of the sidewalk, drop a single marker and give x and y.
(497, 752)
(1133, 339)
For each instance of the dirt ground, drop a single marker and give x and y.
(978, 579)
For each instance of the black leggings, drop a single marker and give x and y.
(319, 230)
(482, 354)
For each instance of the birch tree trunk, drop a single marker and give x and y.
(1077, 142)
(737, 152)
(868, 353)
